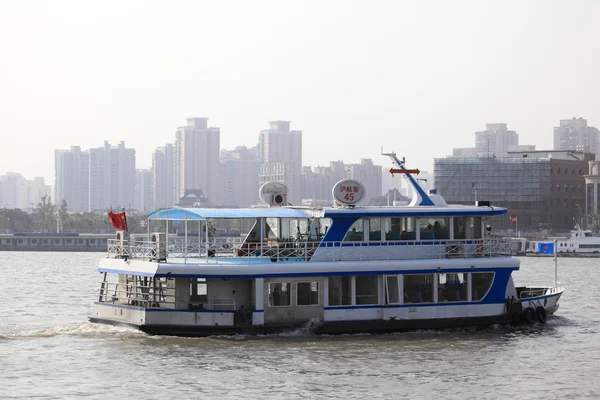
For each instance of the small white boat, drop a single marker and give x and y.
(581, 243)
(342, 269)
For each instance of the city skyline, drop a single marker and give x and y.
(473, 146)
(81, 74)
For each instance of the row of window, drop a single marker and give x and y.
(574, 188)
(280, 294)
(399, 289)
(407, 228)
(565, 170)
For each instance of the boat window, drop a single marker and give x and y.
(280, 294)
(400, 228)
(307, 293)
(272, 228)
(198, 289)
(434, 228)
(374, 229)
(319, 228)
(299, 229)
(356, 232)
(391, 289)
(340, 290)
(467, 228)
(480, 284)
(418, 288)
(452, 287)
(367, 289)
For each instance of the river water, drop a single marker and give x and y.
(48, 350)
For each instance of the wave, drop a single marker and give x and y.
(83, 329)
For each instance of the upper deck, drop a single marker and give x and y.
(287, 234)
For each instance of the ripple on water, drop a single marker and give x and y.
(49, 350)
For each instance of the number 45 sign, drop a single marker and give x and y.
(348, 191)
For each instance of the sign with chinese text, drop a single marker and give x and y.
(348, 192)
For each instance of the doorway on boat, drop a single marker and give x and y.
(226, 295)
(293, 300)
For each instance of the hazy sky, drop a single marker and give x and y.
(416, 77)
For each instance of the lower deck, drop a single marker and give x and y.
(332, 302)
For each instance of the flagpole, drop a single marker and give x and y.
(127, 233)
(555, 265)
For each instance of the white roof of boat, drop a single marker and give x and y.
(183, 214)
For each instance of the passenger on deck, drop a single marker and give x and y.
(441, 296)
(276, 297)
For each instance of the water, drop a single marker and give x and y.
(48, 350)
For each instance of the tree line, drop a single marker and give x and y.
(44, 219)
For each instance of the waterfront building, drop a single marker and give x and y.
(575, 134)
(592, 189)
(143, 191)
(71, 172)
(280, 152)
(163, 177)
(197, 149)
(240, 169)
(542, 189)
(495, 139)
(112, 177)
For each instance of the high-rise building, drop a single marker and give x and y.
(368, 174)
(575, 134)
(143, 191)
(163, 177)
(318, 182)
(112, 177)
(18, 192)
(495, 139)
(72, 170)
(37, 189)
(280, 151)
(240, 170)
(197, 159)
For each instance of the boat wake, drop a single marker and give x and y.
(84, 329)
(308, 329)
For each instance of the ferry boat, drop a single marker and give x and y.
(333, 270)
(580, 243)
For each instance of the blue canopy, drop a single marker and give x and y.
(224, 213)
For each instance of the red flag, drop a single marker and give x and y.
(514, 219)
(118, 220)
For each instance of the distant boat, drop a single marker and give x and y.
(581, 243)
(518, 246)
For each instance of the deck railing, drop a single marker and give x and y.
(136, 295)
(286, 251)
